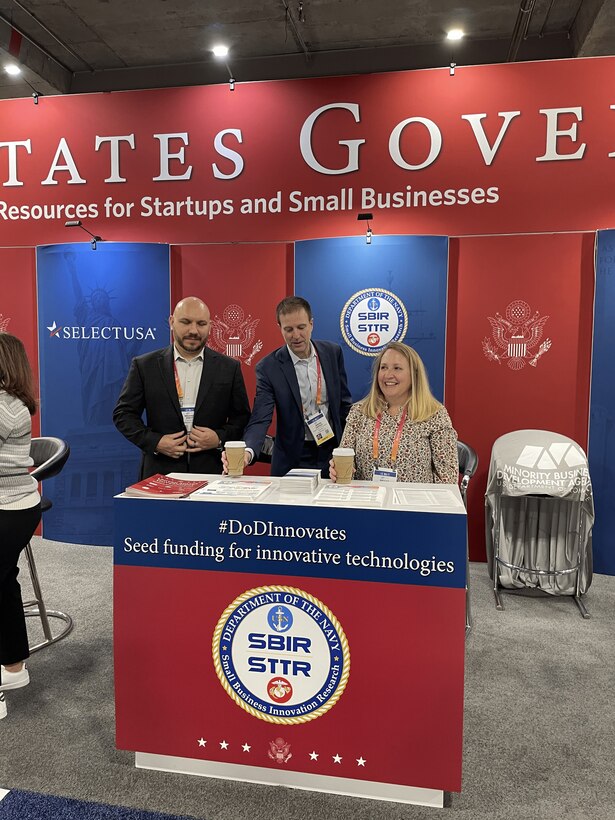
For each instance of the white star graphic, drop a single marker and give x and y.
(54, 329)
(361, 761)
(246, 748)
(202, 742)
(223, 744)
(337, 759)
(313, 755)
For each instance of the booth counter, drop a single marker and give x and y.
(291, 642)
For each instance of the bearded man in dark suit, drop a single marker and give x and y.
(194, 399)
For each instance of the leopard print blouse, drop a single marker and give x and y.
(427, 449)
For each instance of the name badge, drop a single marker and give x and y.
(320, 427)
(384, 475)
(188, 415)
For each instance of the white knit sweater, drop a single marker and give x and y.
(18, 490)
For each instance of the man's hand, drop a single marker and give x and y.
(173, 445)
(202, 438)
(246, 461)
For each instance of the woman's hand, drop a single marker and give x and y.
(332, 471)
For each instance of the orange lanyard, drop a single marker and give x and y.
(318, 381)
(180, 392)
(396, 440)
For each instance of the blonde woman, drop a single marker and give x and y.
(399, 431)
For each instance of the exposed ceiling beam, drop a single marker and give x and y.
(47, 74)
(321, 64)
(592, 29)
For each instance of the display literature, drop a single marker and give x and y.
(351, 495)
(163, 486)
(233, 489)
(300, 481)
(424, 499)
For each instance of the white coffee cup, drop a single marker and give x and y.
(235, 455)
(343, 458)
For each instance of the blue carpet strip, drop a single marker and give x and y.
(21, 805)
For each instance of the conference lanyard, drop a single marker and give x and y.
(396, 440)
(318, 384)
(180, 392)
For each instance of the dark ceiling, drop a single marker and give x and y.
(71, 46)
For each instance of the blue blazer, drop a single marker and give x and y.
(277, 388)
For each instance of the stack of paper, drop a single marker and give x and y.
(300, 481)
(352, 495)
(233, 489)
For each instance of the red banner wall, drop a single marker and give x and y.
(538, 376)
(242, 284)
(518, 147)
(18, 304)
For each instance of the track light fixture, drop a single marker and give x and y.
(368, 233)
(221, 53)
(77, 223)
(13, 70)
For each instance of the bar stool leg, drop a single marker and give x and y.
(38, 595)
(37, 608)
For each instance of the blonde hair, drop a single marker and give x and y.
(421, 404)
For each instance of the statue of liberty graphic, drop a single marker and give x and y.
(103, 363)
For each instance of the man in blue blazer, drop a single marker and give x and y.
(305, 383)
(194, 399)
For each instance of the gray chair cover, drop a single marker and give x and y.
(539, 512)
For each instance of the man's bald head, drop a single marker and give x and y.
(190, 324)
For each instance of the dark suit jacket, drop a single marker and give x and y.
(222, 404)
(277, 387)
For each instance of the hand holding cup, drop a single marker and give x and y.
(235, 452)
(343, 465)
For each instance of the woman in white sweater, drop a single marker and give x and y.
(20, 507)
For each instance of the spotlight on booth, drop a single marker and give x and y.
(368, 233)
(77, 223)
(13, 70)
(220, 52)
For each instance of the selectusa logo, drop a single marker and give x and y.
(105, 332)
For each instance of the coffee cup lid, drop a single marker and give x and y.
(235, 444)
(343, 451)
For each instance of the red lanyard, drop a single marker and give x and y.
(318, 381)
(180, 392)
(396, 440)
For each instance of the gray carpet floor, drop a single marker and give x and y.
(539, 721)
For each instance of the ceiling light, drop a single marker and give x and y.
(455, 34)
(220, 51)
(12, 69)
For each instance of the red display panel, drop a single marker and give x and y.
(518, 344)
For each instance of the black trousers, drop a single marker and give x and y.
(16, 530)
